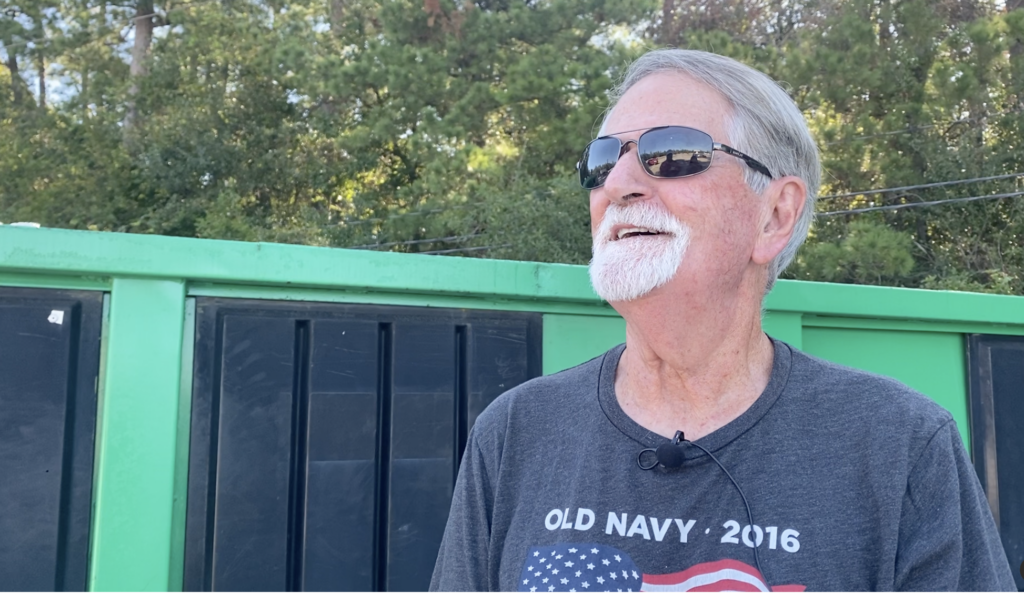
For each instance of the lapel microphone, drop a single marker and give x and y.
(670, 456)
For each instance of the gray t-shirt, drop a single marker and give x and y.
(854, 481)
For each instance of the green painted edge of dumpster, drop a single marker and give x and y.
(914, 325)
(101, 380)
(57, 252)
(596, 308)
(56, 282)
(883, 302)
(136, 438)
(180, 510)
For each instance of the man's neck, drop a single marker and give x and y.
(693, 369)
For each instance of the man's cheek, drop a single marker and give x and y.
(597, 211)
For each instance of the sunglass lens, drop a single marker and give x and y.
(598, 159)
(675, 151)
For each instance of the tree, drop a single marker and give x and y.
(936, 104)
(452, 126)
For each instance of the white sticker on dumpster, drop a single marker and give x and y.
(56, 317)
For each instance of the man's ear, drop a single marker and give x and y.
(784, 201)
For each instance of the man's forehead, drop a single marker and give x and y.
(602, 133)
(620, 132)
(665, 99)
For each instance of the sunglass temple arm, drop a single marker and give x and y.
(750, 161)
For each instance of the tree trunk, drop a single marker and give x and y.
(41, 61)
(140, 51)
(337, 16)
(40, 56)
(1016, 47)
(12, 65)
(667, 21)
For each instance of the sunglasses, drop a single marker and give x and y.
(666, 152)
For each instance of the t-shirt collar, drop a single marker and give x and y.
(717, 439)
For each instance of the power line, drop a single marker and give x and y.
(922, 186)
(453, 239)
(463, 249)
(912, 129)
(921, 204)
(906, 130)
(355, 221)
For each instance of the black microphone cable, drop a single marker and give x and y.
(670, 453)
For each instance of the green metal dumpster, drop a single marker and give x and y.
(226, 416)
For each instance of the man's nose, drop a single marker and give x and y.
(627, 180)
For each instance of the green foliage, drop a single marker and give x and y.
(869, 253)
(532, 219)
(453, 125)
(994, 282)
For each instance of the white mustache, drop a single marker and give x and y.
(639, 214)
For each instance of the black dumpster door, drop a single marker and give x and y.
(49, 363)
(326, 438)
(997, 411)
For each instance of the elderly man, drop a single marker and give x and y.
(702, 454)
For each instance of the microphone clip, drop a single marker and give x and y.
(668, 455)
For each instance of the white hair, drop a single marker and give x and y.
(766, 125)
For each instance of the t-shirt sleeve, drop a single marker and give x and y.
(463, 560)
(947, 538)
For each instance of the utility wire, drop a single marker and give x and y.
(912, 129)
(453, 239)
(920, 204)
(922, 186)
(355, 221)
(464, 249)
(879, 191)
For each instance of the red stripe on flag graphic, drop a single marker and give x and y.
(727, 575)
(726, 585)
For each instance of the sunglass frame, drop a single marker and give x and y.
(715, 146)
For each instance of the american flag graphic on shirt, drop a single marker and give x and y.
(582, 568)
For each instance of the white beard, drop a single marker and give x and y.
(632, 267)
